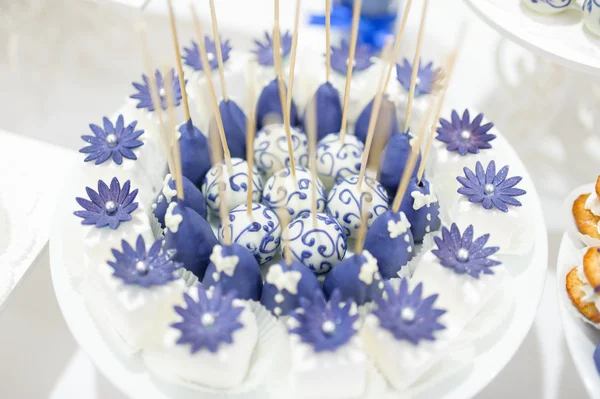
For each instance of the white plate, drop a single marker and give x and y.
(492, 352)
(560, 37)
(580, 336)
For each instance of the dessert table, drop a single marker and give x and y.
(542, 368)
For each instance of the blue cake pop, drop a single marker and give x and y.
(390, 241)
(326, 102)
(421, 207)
(269, 104)
(234, 268)
(234, 125)
(193, 198)
(195, 154)
(395, 155)
(192, 237)
(357, 277)
(285, 285)
(362, 123)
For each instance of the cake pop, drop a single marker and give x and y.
(268, 108)
(235, 181)
(195, 156)
(337, 160)
(319, 244)
(294, 193)
(285, 285)
(193, 198)
(271, 151)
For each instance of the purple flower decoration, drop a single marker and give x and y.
(409, 316)
(192, 58)
(145, 98)
(210, 321)
(264, 50)
(490, 189)
(144, 269)
(339, 58)
(114, 141)
(108, 206)
(463, 254)
(425, 77)
(325, 326)
(464, 136)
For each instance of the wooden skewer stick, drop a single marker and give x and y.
(223, 211)
(397, 42)
(282, 91)
(283, 216)
(211, 87)
(362, 231)
(328, 39)
(250, 133)
(184, 98)
(311, 130)
(442, 96)
(410, 164)
(153, 86)
(354, 38)
(217, 39)
(415, 67)
(174, 142)
(293, 58)
(374, 116)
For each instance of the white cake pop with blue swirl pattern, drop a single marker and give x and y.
(282, 190)
(236, 184)
(319, 246)
(271, 149)
(346, 202)
(336, 159)
(259, 232)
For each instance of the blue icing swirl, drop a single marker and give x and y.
(259, 233)
(281, 191)
(345, 202)
(318, 247)
(337, 160)
(271, 150)
(236, 185)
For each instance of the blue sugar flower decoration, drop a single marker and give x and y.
(145, 98)
(339, 58)
(114, 141)
(463, 254)
(325, 326)
(144, 269)
(192, 57)
(409, 316)
(264, 50)
(489, 188)
(464, 136)
(108, 206)
(425, 77)
(210, 321)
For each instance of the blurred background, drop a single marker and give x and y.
(67, 63)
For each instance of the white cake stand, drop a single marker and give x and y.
(561, 38)
(491, 353)
(581, 337)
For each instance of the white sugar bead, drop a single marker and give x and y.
(346, 202)
(271, 149)
(281, 190)
(337, 160)
(258, 232)
(236, 184)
